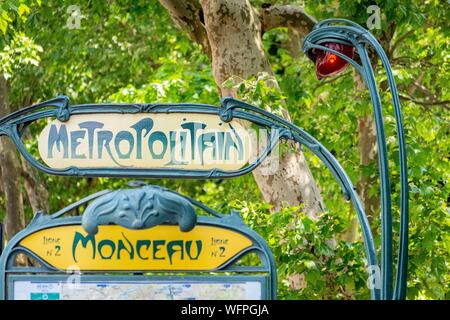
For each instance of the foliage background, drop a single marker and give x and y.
(130, 51)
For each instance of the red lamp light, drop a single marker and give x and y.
(329, 64)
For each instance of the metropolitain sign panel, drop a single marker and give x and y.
(162, 247)
(145, 141)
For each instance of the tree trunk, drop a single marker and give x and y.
(234, 31)
(368, 152)
(36, 190)
(11, 171)
(367, 147)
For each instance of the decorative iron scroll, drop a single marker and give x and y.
(139, 209)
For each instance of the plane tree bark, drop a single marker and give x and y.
(230, 32)
(10, 173)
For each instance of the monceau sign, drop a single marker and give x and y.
(159, 140)
(114, 247)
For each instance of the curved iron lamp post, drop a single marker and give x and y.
(332, 45)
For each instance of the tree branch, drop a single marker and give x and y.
(298, 22)
(286, 16)
(444, 103)
(188, 16)
(400, 40)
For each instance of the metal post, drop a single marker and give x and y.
(332, 30)
(350, 33)
(385, 189)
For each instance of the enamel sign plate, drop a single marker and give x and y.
(145, 141)
(116, 248)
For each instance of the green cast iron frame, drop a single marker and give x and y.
(15, 125)
(265, 273)
(352, 34)
(349, 33)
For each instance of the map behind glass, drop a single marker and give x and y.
(142, 290)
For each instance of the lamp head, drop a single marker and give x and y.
(328, 63)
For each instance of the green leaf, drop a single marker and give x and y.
(23, 9)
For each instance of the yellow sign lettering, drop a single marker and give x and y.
(117, 248)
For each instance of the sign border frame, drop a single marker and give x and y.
(231, 221)
(15, 124)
